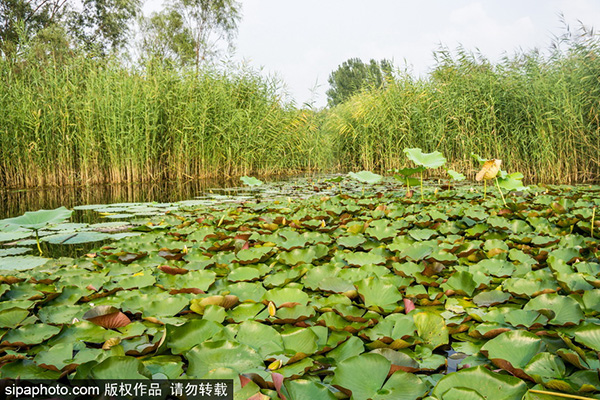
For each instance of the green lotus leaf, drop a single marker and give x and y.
(402, 386)
(138, 280)
(244, 274)
(307, 255)
(544, 367)
(378, 292)
(515, 347)
(350, 348)
(27, 369)
(589, 335)
(512, 181)
(494, 266)
(280, 296)
(245, 311)
(13, 251)
(525, 318)
(567, 311)
(21, 263)
(405, 172)
(201, 279)
(431, 328)
(394, 326)
(165, 307)
(417, 251)
(254, 255)
(293, 314)
(300, 340)
(366, 177)
(283, 277)
(351, 241)
(84, 331)
(119, 368)
(363, 375)
(456, 176)
(427, 160)
(251, 181)
(11, 236)
(76, 238)
(223, 353)
(11, 317)
(262, 338)
(38, 219)
(182, 338)
(61, 314)
(491, 298)
(30, 334)
(461, 282)
(422, 234)
(487, 384)
(381, 230)
(167, 366)
(302, 389)
(359, 259)
(247, 291)
(57, 356)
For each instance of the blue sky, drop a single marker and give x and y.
(301, 42)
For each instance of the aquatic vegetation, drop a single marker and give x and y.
(332, 296)
(425, 160)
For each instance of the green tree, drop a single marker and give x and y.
(103, 26)
(23, 19)
(189, 32)
(354, 75)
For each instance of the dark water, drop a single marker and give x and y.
(16, 202)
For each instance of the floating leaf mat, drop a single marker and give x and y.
(371, 296)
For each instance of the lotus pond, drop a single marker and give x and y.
(317, 290)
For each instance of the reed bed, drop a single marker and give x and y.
(87, 121)
(538, 114)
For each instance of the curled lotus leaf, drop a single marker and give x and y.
(38, 219)
(427, 160)
(251, 181)
(107, 317)
(489, 170)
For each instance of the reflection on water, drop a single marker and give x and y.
(17, 202)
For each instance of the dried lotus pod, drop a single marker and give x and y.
(489, 170)
(107, 317)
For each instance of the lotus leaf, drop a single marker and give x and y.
(362, 375)
(36, 220)
(487, 384)
(366, 177)
(303, 256)
(251, 181)
(427, 160)
(378, 292)
(566, 310)
(262, 338)
(211, 355)
(431, 328)
(29, 334)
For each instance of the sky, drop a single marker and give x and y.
(302, 42)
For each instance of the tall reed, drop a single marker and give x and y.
(538, 114)
(86, 121)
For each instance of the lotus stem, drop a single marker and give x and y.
(422, 197)
(567, 396)
(592, 225)
(37, 240)
(484, 188)
(500, 190)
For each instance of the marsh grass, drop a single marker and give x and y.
(87, 121)
(539, 114)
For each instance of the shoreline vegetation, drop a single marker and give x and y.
(77, 120)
